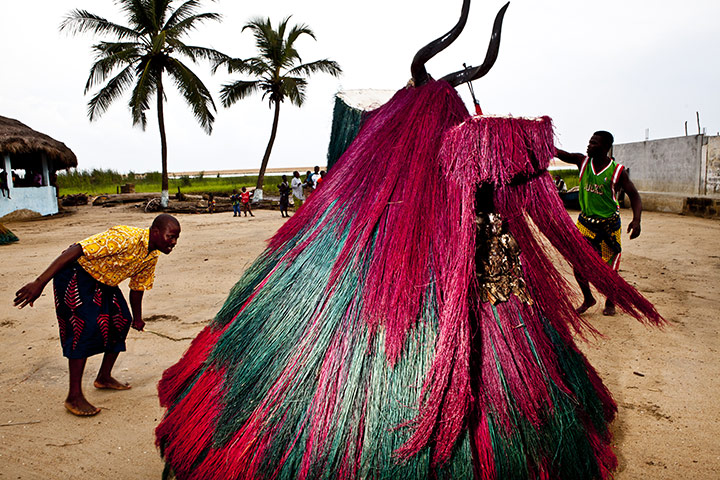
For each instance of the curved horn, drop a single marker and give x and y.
(419, 74)
(470, 74)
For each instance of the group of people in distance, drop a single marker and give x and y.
(299, 188)
(241, 201)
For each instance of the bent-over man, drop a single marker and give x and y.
(92, 313)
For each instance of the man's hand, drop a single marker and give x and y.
(28, 294)
(31, 292)
(634, 229)
(138, 324)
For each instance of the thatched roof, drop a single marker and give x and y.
(16, 138)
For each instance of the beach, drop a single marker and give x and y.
(665, 381)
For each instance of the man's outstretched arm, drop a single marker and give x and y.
(30, 292)
(574, 158)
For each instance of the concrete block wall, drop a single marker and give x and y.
(712, 166)
(672, 165)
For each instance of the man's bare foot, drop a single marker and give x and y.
(585, 305)
(81, 407)
(110, 384)
(609, 310)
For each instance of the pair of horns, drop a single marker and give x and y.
(419, 73)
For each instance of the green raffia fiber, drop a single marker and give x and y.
(6, 236)
(373, 397)
(561, 445)
(345, 126)
(252, 372)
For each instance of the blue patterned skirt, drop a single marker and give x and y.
(93, 317)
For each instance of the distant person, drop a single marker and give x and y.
(211, 203)
(284, 190)
(4, 183)
(92, 313)
(308, 185)
(235, 200)
(297, 190)
(599, 220)
(315, 176)
(37, 179)
(560, 184)
(320, 179)
(245, 201)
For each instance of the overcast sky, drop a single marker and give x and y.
(621, 65)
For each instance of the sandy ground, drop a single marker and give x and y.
(666, 383)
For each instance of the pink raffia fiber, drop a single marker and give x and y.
(516, 361)
(178, 377)
(546, 210)
(513, 154)
(390, 190)
(193, 419)
(386, 186)
(402, 202)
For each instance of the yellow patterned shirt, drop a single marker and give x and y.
(118, 253)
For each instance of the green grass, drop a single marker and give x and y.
(570, 176)
(99, 182)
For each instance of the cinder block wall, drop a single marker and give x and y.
(673, 165)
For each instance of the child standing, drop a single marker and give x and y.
(235, 199)
(245, 200)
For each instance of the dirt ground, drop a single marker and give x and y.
(665, 382)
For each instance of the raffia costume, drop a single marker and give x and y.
(408, 325)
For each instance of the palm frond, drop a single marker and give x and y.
(184, 11)
(195, 93)
(290, 55)
(191, 23)
(110, 55)
(139, 15)
(158, 9)
(282, 26)
(296, 31)
(82, 21)
(195, 53)
(325, 66)
(266, 39)
(232, 92)
(144, 88)
(110, 92)
(294, 88)
(259, 67)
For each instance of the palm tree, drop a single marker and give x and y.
(140, 54)
(280, 71)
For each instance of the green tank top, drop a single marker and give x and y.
(597, 190)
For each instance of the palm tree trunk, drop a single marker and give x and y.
(266, 157)
(164, 196)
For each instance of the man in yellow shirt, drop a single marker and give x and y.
(92, 313)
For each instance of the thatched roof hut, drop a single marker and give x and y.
(39, 156)
(20, 141)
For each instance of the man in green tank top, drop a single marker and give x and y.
(599, 221)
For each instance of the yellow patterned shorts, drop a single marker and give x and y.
(607, 242)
